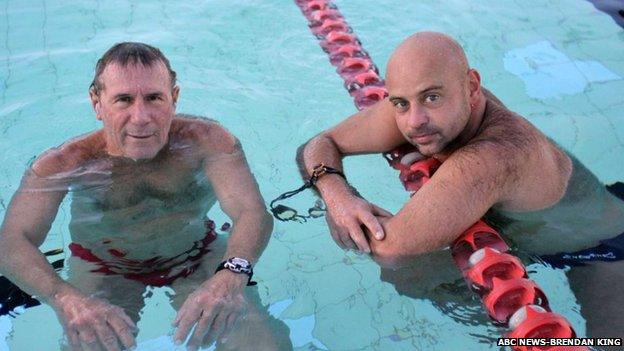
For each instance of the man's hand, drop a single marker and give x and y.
(215, 307)
(345, 218)
(92, 323)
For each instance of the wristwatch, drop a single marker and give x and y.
(238, 265)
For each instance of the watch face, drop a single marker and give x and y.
(238, 265)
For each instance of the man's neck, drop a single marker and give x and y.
(119, 159)
(477, 114)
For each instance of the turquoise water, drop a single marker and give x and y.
(255, 67)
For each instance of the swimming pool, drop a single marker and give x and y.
(256, 68)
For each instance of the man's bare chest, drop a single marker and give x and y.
(152, 186)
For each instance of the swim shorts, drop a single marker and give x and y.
(609, 250)
(156, 271)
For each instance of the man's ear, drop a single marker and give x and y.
(474, 86)
(174, 94)
(95, 102)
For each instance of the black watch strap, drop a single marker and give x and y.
(230, 265)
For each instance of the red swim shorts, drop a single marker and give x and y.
(166, 270)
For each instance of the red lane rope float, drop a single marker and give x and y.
(352, 62)
(509, 297)
(499, 278)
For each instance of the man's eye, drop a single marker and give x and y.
(124, 99)
(432, 98)
(401, 105)
(154, 98)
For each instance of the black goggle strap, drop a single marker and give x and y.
(277, 210)
(318, 171)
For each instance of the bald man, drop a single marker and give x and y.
(494, 162)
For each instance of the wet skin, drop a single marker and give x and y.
(141, 187)
(494, 162)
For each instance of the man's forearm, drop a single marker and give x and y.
(250, 235)
(321, 149)
(23, 264)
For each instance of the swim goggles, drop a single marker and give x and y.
(285, 213)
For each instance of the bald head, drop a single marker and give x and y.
(433, 91)
(427, 52)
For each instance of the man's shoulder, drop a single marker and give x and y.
(69, 155)
(505, 128)
(206, 133)
(512, 137)
(517, 153)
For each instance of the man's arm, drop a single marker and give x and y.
(239, 197)
(369, 131)
(88, 321)
(217, 304)
(373, 130)
(27, 222)
(520, 171)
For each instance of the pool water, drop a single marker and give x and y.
(255, 67)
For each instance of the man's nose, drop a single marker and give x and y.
(140, 113)
(417, 117)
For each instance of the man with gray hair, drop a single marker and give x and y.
(141, 187)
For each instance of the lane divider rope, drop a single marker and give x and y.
(352, 62)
